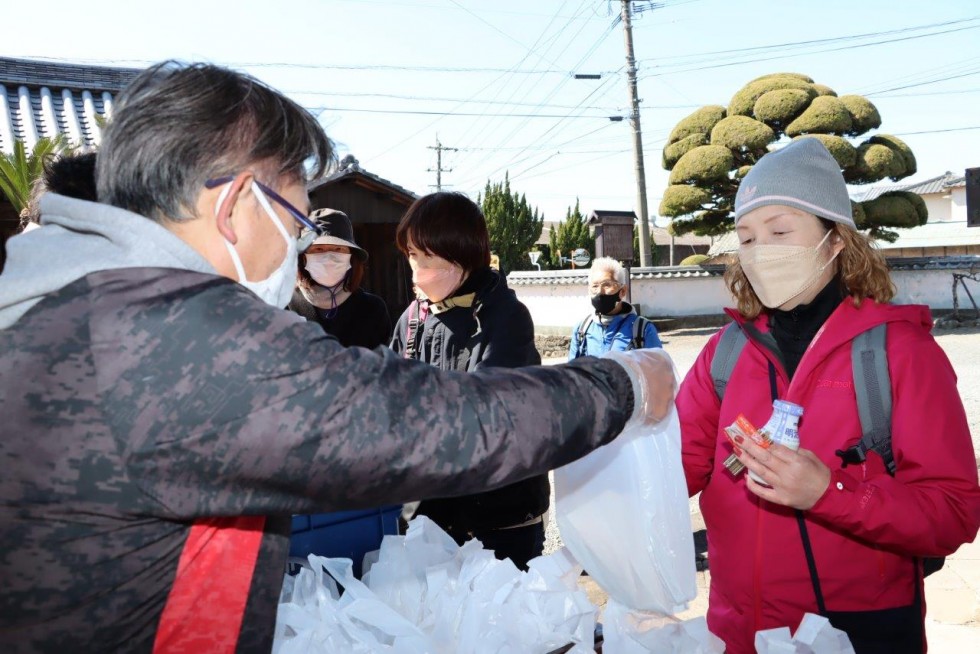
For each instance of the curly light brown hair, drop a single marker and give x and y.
(861, 270)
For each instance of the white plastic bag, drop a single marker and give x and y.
(623, 512)
(638, 632)
(423, 593)
(815, 635)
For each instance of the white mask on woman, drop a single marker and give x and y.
(779, 273)
(328, 268)
(277, 288)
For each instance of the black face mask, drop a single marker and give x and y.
(605, 304)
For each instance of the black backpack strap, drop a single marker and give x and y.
(730, 347)
(872, 386)
(639, 333)
(412, 331)
(583, 327)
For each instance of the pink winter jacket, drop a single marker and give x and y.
(867, 526)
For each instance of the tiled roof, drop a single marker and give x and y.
(661, 236)
(349, 166)
(937, 234)
(40, 99)
(545, 237)
(934, 263)
(581, 275)
(595, 215)
(725, 244)
(934, 185)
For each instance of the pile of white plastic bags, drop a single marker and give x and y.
(423, 593)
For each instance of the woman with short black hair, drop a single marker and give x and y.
(466, 319)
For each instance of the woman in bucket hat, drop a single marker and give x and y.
(328, 289)
(836, 530)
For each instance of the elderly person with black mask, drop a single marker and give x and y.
(612, 325)
(164, 417)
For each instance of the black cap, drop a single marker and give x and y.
(335, 229)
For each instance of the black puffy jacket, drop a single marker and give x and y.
(495, 331)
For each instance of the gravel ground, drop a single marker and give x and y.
(962, 346)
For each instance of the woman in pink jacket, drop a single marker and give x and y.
(824, 537)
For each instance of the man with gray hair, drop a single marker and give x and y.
(612, 325)
(163, 417)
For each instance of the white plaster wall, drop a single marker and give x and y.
(564, 305)
(685, 296)
(958, 201)
(555, 305)
(938, 207)
(931, 287)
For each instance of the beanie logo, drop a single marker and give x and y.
(748, 192)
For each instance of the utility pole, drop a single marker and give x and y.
(439, 170)
(641, 180)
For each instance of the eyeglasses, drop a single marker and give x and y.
(606, 287)
(310, 230)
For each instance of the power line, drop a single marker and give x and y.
(943, 70)
(551, 42)
(939, 131)
(451, 113)
(728, 64)
(552, 128)
(608, 110)
(925, 93)
(793, 44)
(555, 90)
(487, 86)
(295, 65)
(558, 87)
(934, 81)
(420, 98)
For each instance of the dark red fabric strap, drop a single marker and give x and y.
(207, 601)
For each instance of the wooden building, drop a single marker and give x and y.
(374, 206)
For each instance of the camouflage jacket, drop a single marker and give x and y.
(161, 425)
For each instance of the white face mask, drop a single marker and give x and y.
(779, 273)
(277, 288)
(328, 268)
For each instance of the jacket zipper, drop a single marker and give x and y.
(757, 567)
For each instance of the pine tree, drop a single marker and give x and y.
(570, 234)
(513, 225)
(712, 149)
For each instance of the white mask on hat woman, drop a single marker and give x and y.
(328, 268)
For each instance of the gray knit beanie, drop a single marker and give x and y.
(803, 175)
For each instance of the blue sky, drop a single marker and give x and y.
(493, 78)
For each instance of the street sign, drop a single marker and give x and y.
(581, 257)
